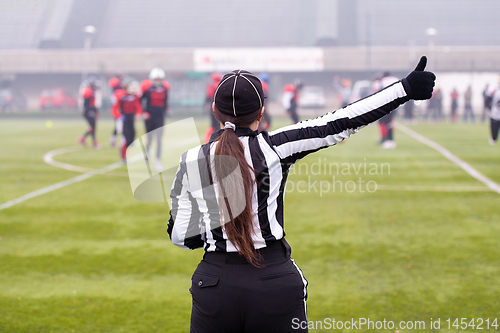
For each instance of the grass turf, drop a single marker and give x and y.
(90, 258)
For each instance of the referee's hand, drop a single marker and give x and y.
(419, 83)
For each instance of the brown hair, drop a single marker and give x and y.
(239, 229)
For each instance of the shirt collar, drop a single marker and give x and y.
(240, 131)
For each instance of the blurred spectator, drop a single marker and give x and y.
(209, 99)
(439, 104)
(343, 90)
(495, 115)
(290, 99)
(487, 97)
(468, 105)
(265, 124)
(386, 123)
(408, 117)
(454, 105)
(90, 113)
(431, 107)
(435, 106)
(116, 83)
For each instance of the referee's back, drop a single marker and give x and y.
(195, 218)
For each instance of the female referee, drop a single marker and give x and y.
(228, 198)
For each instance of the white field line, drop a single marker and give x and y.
(48, 158)
(446, 153)
(432, 188)
(59, 185)
(67, 182)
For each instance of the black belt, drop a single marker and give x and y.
(275, 250)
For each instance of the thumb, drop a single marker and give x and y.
(421, 64)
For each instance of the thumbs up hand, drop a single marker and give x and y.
(419, 83)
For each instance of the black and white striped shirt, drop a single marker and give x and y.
(195, 218)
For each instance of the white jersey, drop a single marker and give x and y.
(387, 81)
(286, 99)
(495, 105)
(195, 217)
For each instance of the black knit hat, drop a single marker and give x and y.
(239, 93)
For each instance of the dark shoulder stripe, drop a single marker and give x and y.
(370, 117)
(262, 179)
(335, 126)
(209, 196)
(195, 241)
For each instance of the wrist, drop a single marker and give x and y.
(407, 88)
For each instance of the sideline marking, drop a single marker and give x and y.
(67, 182)
(446, 153)
(60, 185)
(432, 188)
(48, 158)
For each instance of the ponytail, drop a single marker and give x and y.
(239, 229)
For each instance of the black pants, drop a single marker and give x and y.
(213, 120)
(468, 113)
(128, 134)
(154, 130)
(90, 115)
(454, 107)
(265, 124)
(495, 127)
(154, 122)
(232, 296)
(129, 130)
(386, 127)
(293, 112)
(409, 110)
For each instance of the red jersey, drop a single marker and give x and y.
(127, 105)
(118, 94)
(88, 95)
(290, 88)
(211, 88)
(115, 83)
(156, 96)
(264, 87)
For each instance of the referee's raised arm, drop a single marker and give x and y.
(228, 197)
(296, 141)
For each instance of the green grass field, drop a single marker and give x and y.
(90, 258)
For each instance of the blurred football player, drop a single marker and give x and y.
(290, 99)
(155, 98)
(211, 88)
(128, 106)
(386, 123)
(90, 113)
(116, 84)
(265, 124)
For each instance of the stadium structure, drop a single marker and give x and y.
(45, 43)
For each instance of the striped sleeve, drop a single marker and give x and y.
(296, 141)
(184, 226)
